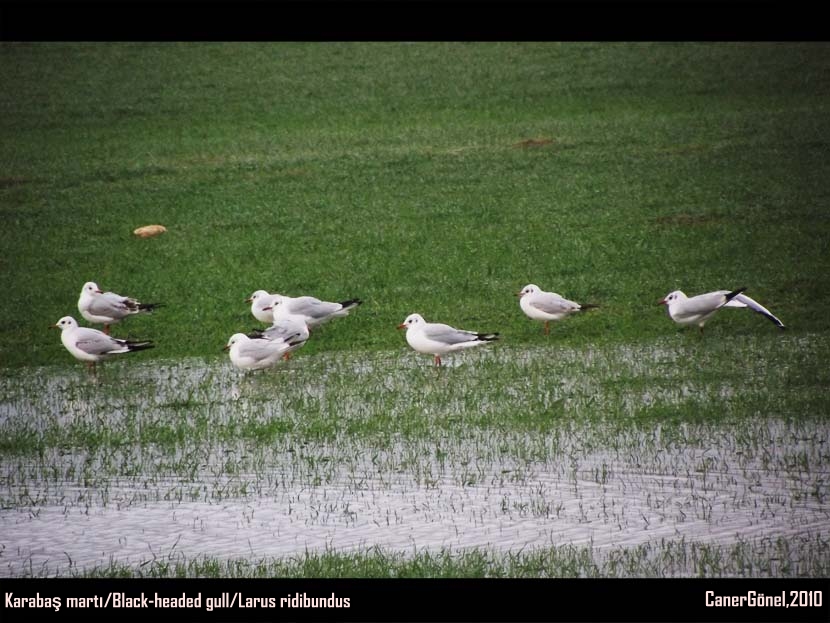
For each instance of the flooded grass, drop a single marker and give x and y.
(679, 558)
(628, 460)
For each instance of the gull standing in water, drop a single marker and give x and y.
(256, 353)
(92, 345)
(439, 339)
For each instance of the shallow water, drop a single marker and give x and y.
(600, 499)
(583, 482)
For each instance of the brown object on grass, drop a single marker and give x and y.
(534, 142)
(150, 230)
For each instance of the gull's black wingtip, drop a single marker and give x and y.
(487, 337)
(734, 293)
(135, 346)
(350, 303)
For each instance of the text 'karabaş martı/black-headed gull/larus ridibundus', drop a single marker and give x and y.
(698, 309)
(107, 308)
(92, 345)
(439, 339)
(546, 306)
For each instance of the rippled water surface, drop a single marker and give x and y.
(138, 495)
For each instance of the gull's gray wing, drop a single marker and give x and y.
(742, 300)
(277, 332)
(259, 348)
(289, 329)
(109, 304)
(446, 334)
(552, 303)
(96, 343)
(703, 303)
(313, 307)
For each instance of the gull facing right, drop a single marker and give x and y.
(698, 309)
(438, 339)
(546, 306)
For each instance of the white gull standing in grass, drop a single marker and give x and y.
(696, 310)
(546, 306)
(92, 345)
(107, 308)
(439, 339)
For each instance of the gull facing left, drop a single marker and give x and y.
(107, 308)
(699, 309)
(439, 339)
(546, 306)
(261, 305)
(256, 353)
(92, 345)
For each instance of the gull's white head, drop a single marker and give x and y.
(671, 297)
(412, 320)
(276, 301)
(529, 289)
(66, 323)
(235, 339)
(90, 287)
(256, 295)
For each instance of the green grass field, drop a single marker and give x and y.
(436, 178)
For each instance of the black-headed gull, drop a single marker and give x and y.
(92, 345)
(439, 339)
(312, 310)
(107, 308)
(698, 309)
(288, 328)
(262, 305)
(546, 306)
(255, 353)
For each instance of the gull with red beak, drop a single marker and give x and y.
(439, 339)
(546, 306)
(107, 308)
(699, 309)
